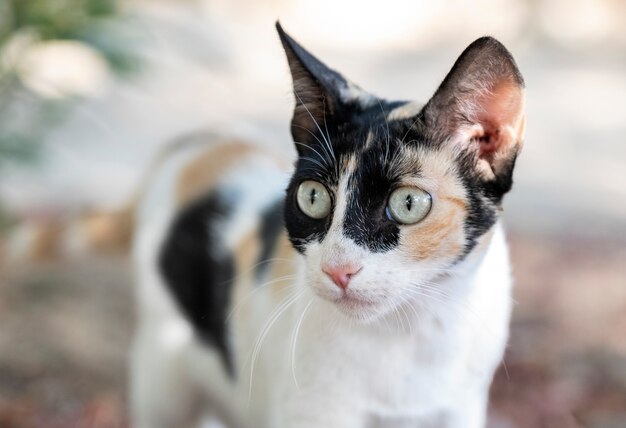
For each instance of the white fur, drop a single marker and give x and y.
(169, 367)
(407, 360)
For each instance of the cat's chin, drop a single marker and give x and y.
(358, 309)
(365, 312)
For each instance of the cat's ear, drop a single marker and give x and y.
(481, 104)
(320, 92)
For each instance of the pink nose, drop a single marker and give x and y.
(341, 274)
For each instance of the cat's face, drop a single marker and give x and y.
(388, 196)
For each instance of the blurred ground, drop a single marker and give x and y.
(64, 337)
(68, 326)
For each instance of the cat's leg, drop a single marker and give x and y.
(161, 395)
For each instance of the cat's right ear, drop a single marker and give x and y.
(480, 105)
(320, 92)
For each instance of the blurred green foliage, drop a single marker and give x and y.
(81, 20)
(58, 19)
(24, 116)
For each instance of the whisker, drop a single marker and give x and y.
(324, 158)
(315, 122)
(410, 128)
(294, 343)
(312, 160)
(388, 132)
(445, 298)
(327, 155)
(253, 267)
(266, 328)
(332, 152)
(255, 290)
(410, 325)
(407, 301)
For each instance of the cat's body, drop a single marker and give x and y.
(333, 307)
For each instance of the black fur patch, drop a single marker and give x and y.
(197, 272)
(347, 134)
(484, 200)
(365, 220)
(301, 228)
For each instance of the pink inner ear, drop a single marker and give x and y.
(499, 114)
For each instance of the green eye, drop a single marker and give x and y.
(408, 205)
(313, 199)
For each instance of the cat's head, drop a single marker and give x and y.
(388, 196)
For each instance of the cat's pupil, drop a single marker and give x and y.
(409, 202)
(313, 196)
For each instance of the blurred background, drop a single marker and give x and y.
(91, 90)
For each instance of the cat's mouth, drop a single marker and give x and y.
(359, 307)
(352, 302)
(356, 305)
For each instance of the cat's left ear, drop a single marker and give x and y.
(481, 104)
(320, 92)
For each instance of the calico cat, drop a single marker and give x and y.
(374, 292)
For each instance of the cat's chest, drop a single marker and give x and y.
(397, 374)
(412, 370)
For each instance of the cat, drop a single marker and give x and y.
(374, 292)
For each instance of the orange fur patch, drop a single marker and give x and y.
(202, 172)
(461, 203)
(247, 252)
(441, 234)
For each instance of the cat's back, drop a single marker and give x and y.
(210, 208)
